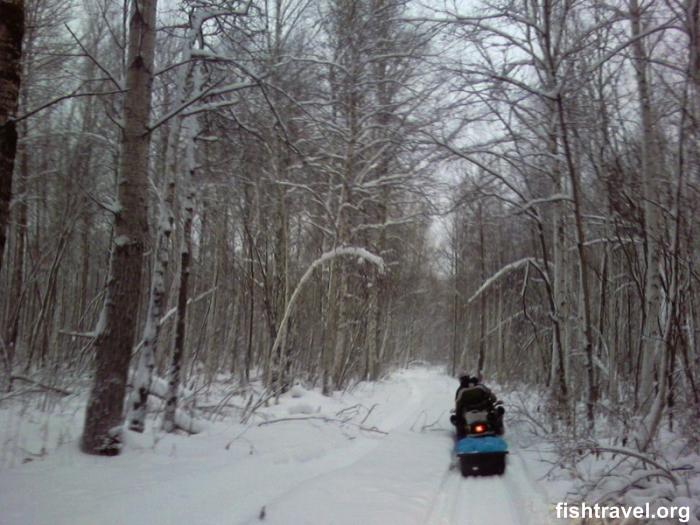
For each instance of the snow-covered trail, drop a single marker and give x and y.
(411, 478)
(510, 499)
(301, 472)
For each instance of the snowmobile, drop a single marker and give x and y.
(479, 444)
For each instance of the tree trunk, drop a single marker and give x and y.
(156, 307)
(583, 265)
(18, 290)
(190, 130)
(11, 33)
(117, 327)
(482, 300)
(652, 190)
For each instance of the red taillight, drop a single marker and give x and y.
(479, 428)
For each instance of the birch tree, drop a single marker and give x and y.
(117, 327)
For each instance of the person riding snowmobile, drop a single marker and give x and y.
(472, 395)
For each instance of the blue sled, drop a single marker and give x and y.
(482, 455)
(481, 445)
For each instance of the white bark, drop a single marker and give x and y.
(190, 130)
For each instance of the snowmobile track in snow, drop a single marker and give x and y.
(301, 472)
(476, 500)
(443, 508)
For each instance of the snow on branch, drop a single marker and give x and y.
(505, 271)
(597, 449)
(205, 93)
(545, 200)
(615, 493)
(191, 300)
(352, 251)
(355, 251)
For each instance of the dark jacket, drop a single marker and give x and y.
(473, 397)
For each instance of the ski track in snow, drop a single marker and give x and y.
(408, 477)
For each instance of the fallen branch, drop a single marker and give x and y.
(325, 420)
(223, 403)
(429, 426)
(218, 406)
(422, 414)
(634, 454)
(251, 407)
(20, 393)
(42, 385)
(354, 408)
(368, 413)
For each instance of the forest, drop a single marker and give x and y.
(269, 193)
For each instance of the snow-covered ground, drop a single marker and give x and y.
(391, 463)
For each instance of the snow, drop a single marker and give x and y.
(327, 467)
(122, 240)
(301, 408)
